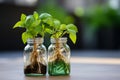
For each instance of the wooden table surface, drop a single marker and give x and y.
(83, 67)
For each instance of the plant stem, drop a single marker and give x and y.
(57, 50)
(63, 33)
(34, 56)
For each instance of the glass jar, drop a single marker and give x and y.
(35, 58)
(58, 57)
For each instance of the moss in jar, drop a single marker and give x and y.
(59, 67)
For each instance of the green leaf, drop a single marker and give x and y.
(47, 30)
(63, 27)
(72, 36)
(71, 31)
(49, 21)
(25, 36)
(23, 17)
(21, 23)
(35, 15)
(57, 24)
(29, 21)
(35, 23)
(40, 30)
(44, 16)
(72, 27)
(18, 24)
(58, 34)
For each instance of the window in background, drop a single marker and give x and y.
(85, 4)
(7, 1)
(72, 4)
(1, 1)
(114, 3)
(26, 2)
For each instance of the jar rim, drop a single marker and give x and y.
(60, 40)
(37, 40)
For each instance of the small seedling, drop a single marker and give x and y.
(35, 26)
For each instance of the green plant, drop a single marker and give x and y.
(58, 30)
(35, 26)
(32, 24)
(59, 64)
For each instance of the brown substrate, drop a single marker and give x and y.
(37, 68)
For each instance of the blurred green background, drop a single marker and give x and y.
(98, 21)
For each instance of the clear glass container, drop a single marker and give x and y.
(58, 57)
(35, 58)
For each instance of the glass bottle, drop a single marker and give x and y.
(35, 58)
(58, 57)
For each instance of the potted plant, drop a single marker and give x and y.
(35, 52)
(59, 51)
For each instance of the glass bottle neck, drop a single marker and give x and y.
(58, 40)
(35, 40)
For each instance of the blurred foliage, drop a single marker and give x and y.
(102, 16)
(79, 12)
(53, 8)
